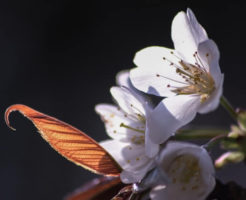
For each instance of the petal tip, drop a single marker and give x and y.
(114, 89)
(189, 12)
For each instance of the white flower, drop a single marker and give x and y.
(190, 171)
(128, 127)
(188, 76)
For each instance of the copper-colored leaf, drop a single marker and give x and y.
(97, 189)
(70, 142)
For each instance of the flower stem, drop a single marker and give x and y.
(132, 196)
(199, 134)
(214, 141)
(226, 104)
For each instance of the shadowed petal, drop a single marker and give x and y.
(130, 157)
(214, 100)
(171, 114)
(209, 55)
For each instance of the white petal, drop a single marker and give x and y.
(171, 114)
(213, 102)
(114, 148)
(209, 55)
(207, 169)
(113, 117)
(187, 33)
(151, 149)
(128, 101)
(158, 193)
(154, 74)
(198, 31)
(130, 157)
(122, 78)
(137, 175)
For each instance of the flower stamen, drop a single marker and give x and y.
(158, 75)
(197, 80)
(138, 115)
(131, 128)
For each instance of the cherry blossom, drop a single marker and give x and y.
(189, 169)
(189, 75)
(127, 125)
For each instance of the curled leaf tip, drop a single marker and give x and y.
(9, 110)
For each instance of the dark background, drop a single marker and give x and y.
(61, 57)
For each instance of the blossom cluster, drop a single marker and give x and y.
(188, 81)
(148, 149)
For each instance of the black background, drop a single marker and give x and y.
(61, 57)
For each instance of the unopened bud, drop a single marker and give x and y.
(241, 118)
(229, 157)
(235, 132)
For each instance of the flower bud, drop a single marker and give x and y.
(241, 119)
(229, 157)
(235, 132)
